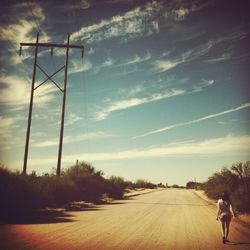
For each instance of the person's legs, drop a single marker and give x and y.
(223, 230)
(227, 228)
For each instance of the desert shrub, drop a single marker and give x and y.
(55, 191)
(175, 186)
(116, 186)
(141, 183)
(89, 182)
(236, 181)
(21, 195)
(17, 195)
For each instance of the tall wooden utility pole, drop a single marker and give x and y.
(33, 88)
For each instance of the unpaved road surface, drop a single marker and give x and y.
(167, 219)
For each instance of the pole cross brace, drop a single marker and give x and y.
(49, 77)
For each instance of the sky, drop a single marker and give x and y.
(162, 92)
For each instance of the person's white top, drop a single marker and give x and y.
(224, 206)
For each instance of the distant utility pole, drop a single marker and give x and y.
(49, 77)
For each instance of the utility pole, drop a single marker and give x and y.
(33, 88)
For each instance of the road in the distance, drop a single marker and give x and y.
(169, 219)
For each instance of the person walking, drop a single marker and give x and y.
(225, 212)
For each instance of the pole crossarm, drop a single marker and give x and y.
(54, 45)
(49, 77)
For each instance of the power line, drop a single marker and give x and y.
(83, 82)
(34, 18)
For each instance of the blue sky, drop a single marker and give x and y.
(162, 92)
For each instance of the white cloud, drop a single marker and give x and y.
(15, 91)
(221, 58)
(204, 83)
(133, 91)
(209, 147)
(129, 103)
(7, 124)
(109, 62)
(90, 51)
(187, 56)
(73, 139)
(136, 59)
(30, 16)
(180, 14)
(130, 61)
(243, 106)
(129, 25)
(28, 21)
(77, 66)
(141, 21)
(164, 65)
(84, 4)
(72, 119)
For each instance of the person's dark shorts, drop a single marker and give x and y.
(225, 217)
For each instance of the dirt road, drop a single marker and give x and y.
(168, 219)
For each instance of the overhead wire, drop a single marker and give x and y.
(38, 28)
(83, 87)
(34, 17)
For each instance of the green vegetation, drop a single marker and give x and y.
(141, 183)
(235, 180)
(194, 185)
(22, 195)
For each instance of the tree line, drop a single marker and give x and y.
(235, 180)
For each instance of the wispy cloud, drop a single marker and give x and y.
(7, 124)
(133, 91)
(199, 51)
(141, 21)
(74, 138)
(132, 102)
(72, 119)
(243, 106)
(77, 67)
(204, 83)
(181, 13)
(163, 65)
(15, 91)
(221, 58)
(208, 147)
(90, 51)
(136, 59)
(25, 19)
(21, 29)
(129, 25)
(131, 99)
(108, 62)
